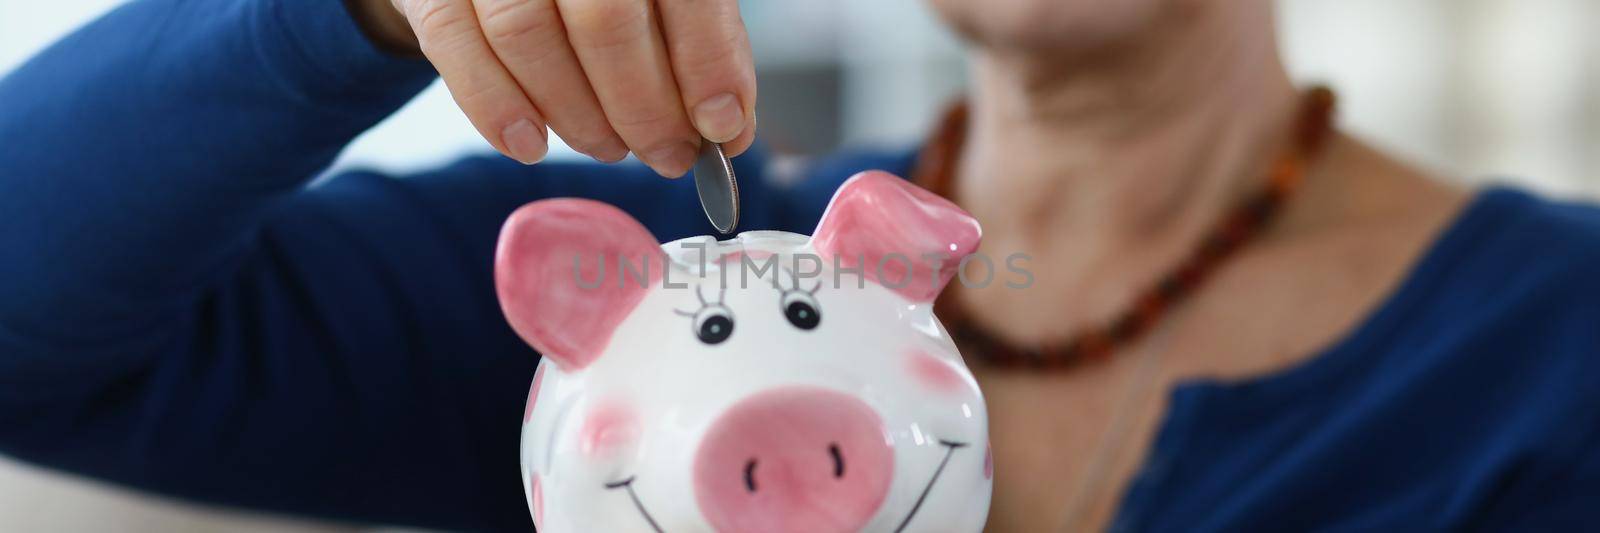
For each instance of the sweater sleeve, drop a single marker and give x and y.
(141, 151)
(181, 314)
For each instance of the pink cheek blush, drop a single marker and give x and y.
(533, 394)
(933, 372)
(608, 430)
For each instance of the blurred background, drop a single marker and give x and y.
(1476, 90)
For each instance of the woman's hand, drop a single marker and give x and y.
(609, 76)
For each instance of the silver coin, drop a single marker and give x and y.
(718, 187)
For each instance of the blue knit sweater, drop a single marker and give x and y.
(181, 312)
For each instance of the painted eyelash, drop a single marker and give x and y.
(722, 296)
(796, 282)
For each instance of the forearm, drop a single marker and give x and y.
(140, 151)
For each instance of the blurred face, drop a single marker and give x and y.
(1059, 26)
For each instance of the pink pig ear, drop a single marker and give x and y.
(890, 228)
(566, 311)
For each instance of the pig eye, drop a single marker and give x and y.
(713, 324)
(801, 308)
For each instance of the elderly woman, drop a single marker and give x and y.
(1241, 319)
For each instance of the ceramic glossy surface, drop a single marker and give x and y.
(722, 396)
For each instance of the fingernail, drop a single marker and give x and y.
(672, 161)
(610, 152)
(719, 118)
(525, 141)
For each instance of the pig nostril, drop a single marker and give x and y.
(838, 459)
(750, 475)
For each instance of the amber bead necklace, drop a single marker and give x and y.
(935, 171)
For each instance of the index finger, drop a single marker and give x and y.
(449, 35)
(711, 60)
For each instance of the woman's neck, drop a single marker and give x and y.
(1108, 167)
(1123, 146)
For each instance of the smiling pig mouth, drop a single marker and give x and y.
(950, 450)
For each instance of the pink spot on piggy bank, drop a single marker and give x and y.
(935, 373)
(536, 501)
(769, 383)
(610, 429)
(988, 462)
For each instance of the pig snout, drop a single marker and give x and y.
(793, 459)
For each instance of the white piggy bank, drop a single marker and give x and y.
(770, 383)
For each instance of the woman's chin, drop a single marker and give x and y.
(1056, 27)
